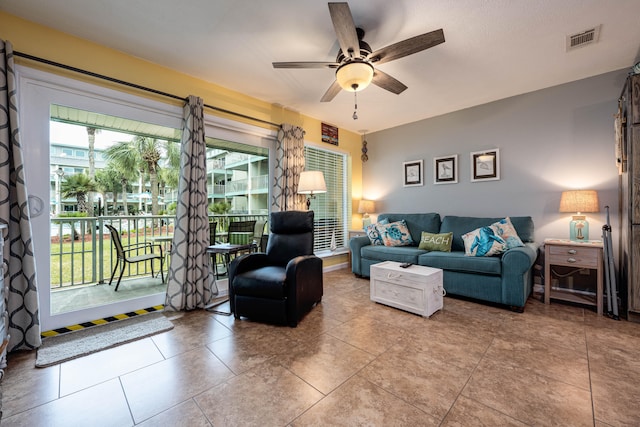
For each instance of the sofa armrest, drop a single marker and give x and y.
(520, 259)
(516, 274)
(355, 244)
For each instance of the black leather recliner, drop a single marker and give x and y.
(284, 283)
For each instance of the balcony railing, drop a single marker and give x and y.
(82, 252)
(260, 182)
(237, 186)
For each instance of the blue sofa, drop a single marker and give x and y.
(505, 279)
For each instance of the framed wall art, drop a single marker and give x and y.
(485, 165)
(413, 172)
(445, 169)
(329, 133)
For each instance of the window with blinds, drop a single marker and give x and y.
(331, 209)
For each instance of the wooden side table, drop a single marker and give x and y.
(579, 255)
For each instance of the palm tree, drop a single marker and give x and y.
(141, 154)
(169, 175)
(91, 137)
(221, 209)
(108, 181)
(78, 186)
(150, 154)
(124, 159)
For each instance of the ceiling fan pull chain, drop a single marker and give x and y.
(355, 112)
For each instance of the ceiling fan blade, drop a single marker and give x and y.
(345, 29)
(331, 93)
(385, 81)
(407, 47)
(305, 65)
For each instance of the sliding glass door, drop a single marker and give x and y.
(87, 153)
(80, 183)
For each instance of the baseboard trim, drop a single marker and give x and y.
(335, 267)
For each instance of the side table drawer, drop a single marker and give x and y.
(582, 257)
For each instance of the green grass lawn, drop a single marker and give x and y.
(72, 261)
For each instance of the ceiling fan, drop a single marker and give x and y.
(355, 63)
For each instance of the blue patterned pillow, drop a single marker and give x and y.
(395, 234)
(374, 234)
(505, 229)
(483, 242)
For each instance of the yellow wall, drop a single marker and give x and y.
(37, 40)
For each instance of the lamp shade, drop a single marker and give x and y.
(366, 206)
(579, 201)
(311, 182)
(354, 75)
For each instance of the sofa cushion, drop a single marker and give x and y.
(458, 261)
(374, 234)
(460, 225)
(398, 253)
(483, 241)
(416, 222)
(504, 228)
(436, 242)
(395, 234)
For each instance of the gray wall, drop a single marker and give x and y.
(549, 140)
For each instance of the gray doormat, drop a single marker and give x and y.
(69, 346)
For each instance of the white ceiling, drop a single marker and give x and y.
(494, 48)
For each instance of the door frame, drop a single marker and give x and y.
(37, 91)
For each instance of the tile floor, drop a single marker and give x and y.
(350, 362)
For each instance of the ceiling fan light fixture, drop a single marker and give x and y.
(355, 75)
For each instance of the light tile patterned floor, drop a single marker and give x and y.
(349, 362)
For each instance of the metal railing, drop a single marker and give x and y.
(237, 186)
(260, 182)
(82, 252)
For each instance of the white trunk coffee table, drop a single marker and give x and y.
(416, 289)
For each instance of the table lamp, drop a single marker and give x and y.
(311, 183)
(364, 207)
(579, 201)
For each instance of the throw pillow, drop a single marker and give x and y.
(395, 234)
(505, 229)
(436, 242)
(374, 235)
(483, 242)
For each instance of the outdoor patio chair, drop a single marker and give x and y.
(212, 232)
(241, 232)
(258, 233)
(143, 252)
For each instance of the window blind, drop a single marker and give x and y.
(330, 208)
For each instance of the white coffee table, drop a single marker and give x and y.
(416, 289)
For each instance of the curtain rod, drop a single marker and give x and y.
(136, 86)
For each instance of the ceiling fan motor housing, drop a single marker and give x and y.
(365, 49)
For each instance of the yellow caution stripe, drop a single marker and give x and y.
(97, 322)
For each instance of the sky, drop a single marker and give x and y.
(64, 133)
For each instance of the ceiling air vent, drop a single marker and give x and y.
(584, 38)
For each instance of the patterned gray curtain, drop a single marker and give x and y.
(19, 262)
(289, 164)
(189, 285)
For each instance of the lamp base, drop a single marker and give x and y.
(579, 228)
(366, 221)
